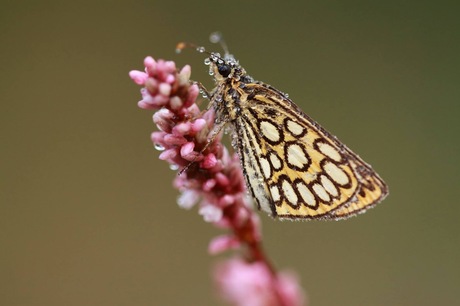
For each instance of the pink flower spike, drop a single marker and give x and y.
(223, 243)
(210, 213)
(138, 77)
(213, 176)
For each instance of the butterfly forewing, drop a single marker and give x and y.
(293, 167)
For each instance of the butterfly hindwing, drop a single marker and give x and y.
(294, 168)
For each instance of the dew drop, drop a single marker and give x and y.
(207, 61)
(203, 94)
(215, 37)
(200, 49)
(173, 167)
(159, 147)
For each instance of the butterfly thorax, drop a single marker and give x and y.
(231, 80)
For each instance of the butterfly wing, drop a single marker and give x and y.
(293, 167)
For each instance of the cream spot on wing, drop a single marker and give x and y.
(329, 186)
(321, 192)
(265, 167)
(296, 156)
(276, 161)
(275, 193)
(270, 131)
(336, 174)
(329, 151)
(306, 194)
(289, 193)
(295, 128)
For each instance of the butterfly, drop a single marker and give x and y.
(293, 167)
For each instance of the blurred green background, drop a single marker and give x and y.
(88, 213)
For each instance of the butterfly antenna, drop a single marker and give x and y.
(217, 38)
(182, 45)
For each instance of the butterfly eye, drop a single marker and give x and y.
(224, 70)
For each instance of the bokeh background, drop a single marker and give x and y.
(89, 216)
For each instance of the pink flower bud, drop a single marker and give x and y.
(168, 154)
(223, 243)
(188, 199)
(209, 184)
(209, 161)
(150, 64)
(138, 77)
(210, 213)
(186, 149)
(164, 89)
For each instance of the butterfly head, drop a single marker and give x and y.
(223, 68)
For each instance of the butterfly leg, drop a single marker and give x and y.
(204, 92)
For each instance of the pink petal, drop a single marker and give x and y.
(289, 289)
(209, 184)
(209, 161)
(222, 179)
(164, 89)
(149, 63)
(198, 125)
(193, 93)
(175, 103)
(226, 200)
(183, 128)
(184, 75)
(243, 283)
(223, 243)
(188, 199)
(187, 148)
(138, 77)
(168, 154)
(210, 213)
